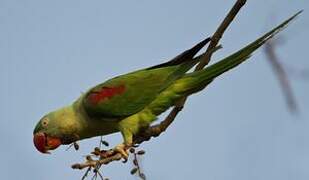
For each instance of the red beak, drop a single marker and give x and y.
(43, 143)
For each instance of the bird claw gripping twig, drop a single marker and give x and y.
(99, 157)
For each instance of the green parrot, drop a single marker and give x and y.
(131, 102)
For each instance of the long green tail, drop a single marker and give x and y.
(196, 81)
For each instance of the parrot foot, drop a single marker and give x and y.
(122, 149)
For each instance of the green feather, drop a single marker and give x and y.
(148, 93)
(140, 87)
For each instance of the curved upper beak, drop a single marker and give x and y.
(43, 143)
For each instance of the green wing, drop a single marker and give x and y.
(127, 94)
(196, 81)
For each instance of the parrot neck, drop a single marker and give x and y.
(68, 123)
(88, 126)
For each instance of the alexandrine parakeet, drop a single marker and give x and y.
(131, 102)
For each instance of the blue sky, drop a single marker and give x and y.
(238, 128)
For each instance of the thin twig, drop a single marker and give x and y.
(97, 172)
(94, 163)
(137, 168)
(86, 173)
(75, 145)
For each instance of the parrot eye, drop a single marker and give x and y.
(45, 122)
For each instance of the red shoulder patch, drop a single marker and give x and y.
(105, 93)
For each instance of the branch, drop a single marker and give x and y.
(156, 130)
(220, 31)
(108, 156)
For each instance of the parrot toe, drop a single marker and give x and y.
(122, 149)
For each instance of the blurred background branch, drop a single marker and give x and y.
(281, 74)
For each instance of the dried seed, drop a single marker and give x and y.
(89, 158)
(141, 152)
(132, 150)
(105, 143)
(96, 151)
(76, 146)
(133, 171)
(76, 166)
(142, 176)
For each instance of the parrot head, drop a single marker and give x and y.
(53, 130)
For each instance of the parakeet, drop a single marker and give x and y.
(131, 102)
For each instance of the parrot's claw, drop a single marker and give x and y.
(122, 149)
